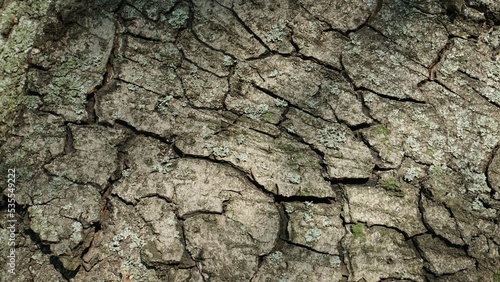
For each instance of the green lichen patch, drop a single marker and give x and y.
(357, 230)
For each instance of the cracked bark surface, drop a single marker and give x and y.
(229, 140)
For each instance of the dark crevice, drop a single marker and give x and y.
(262, 132)
(129, 3)
(447, 242)
(290, 105)
(199, 67)
(330, 27)
(90, 107)
(408, 56)
(397, 99)
(244, 174)
(54, 114)
(442, 84)
(486, 99)
(58, 265)
(295, 46)
(317, 61)
(246, 27)
(142, 37)
(93, 184)
(492, 155)
(359, 127)
(38, 67)
(195, 35)
(439, 60)
(199, 212)
(137, 85)
(156, 195)
(308, 248)
(313, 199)
(349, 181)
(54, 260)
(163, 139)
(262, 56)
(68, 142)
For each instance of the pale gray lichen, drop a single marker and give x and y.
(257, 111)
(289, 208)
(293, 178)
(170, 222)
(221, 151)
(410, 174)
(178, 18)
(243, 158)
(76, 236)
(277, 32)
(276, 257)
(308, 216)
(331, 137)
(135, 241)
(280, 103)
(283, 278)
(206, 132)
(335, 261)
(241, 139)
(308, 204)
(312, 235)
(227, 61)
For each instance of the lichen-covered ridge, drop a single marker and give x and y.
(230, 140)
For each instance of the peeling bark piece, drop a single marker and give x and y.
(376, 253)
(200, 192)
(345, 156)
(226, 251)
(224, 32)
(281, 165)
(376, 64)
(441, 221)
(317, 226)
(294, 263)
(341, 15)
(150, 112)
(63, 217)
(94, 157)
(125, 248)
(166, 246)
(201, 55)
(147, 162)
(203, 89)
(441, 259)
(313, 41)
(378, 206)
(259, 217)
(35, 142)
